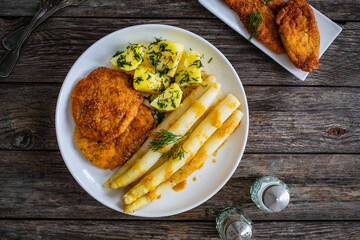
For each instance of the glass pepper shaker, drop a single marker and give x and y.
(270, 194)
(233, 224)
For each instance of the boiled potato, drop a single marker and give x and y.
(168, 100)
(165, 56)
(189, 70)
(146, 79)
(130, 58)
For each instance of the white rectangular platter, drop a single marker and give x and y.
(327, 28)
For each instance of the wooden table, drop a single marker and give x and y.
(306, 133)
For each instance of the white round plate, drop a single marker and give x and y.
(210, 178)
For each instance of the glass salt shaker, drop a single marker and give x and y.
(270, 194)
(233, 224)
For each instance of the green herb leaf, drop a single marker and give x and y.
(197, 64)
(118, 53)
(157, 40)
(176, 152)
(164, 138)
(254, 20)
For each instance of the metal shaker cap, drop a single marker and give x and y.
(276, 198)
(238, 230)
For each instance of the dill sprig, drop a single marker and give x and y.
(176, 152)
(254, 20)
(163, 138)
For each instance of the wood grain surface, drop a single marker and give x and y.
(70, 37)
(305, 133)
(323, 186)
(282, 119)
(48, 229)
(346, 10)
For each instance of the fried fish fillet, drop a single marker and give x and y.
(276, 5)
(108, 155)
(268, 30)
(104, 104)
(300, 34)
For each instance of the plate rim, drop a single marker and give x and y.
(245, 108)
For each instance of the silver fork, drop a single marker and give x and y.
(8, 61)
(9, 42)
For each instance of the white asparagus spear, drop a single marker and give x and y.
(220, 97)
(209, 147)
(180, 127)
(168, 121)
(207, 127)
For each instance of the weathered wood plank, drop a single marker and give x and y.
(52, 49)
(336, 10)
(45, 229)
(282, 119)
(323, 187)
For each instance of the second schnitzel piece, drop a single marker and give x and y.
(128, 142)
(300, 34)
(267, 31)
(108, 155)
(104, 104)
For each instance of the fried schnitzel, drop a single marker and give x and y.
(276, 5)
(104, 104)
(300, 34)
(268, 30)
(100, 154)
(108, 155)
(129, 142)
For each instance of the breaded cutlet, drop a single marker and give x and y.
(268, 30)
(300, 34)
(108, 155)
(104, 104)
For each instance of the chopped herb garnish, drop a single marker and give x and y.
(185, 78)
(138, 57)
(195, 79)
(157, 40)
(210, 60)
(162, 46)
(121, 61)
(254, 20)
(118, 53)
(159, 52)
(197, 63)
(138, 80)
(162, 102)
(125, 58)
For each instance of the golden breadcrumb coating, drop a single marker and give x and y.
(109, 155)
(268, 30)
(300, 34)
(276, 5)
(104, 104)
